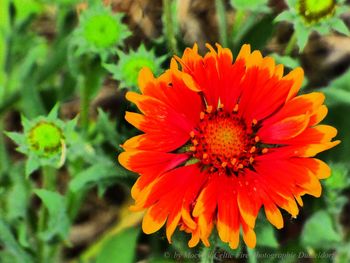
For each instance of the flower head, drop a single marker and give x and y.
(44, 140)
(221, 140)
(315, 10)
(99, 31)
(130, 64)
(321, 16)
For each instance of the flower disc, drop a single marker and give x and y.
(315, 10)
(45, 137)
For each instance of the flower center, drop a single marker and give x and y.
(45, 138)
(223, 142)
(102, 31)
(314, 10)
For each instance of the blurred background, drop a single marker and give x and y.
(71, 62)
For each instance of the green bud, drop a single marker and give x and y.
(45, 138)
(129, 65)
(100, 31)
(315, 10)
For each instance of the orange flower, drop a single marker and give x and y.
(221, 140)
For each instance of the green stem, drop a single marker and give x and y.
(46, 251)
(90, 81)
(222, 23)
(208, 254)
(290, 45)
(169, 26)
(251, 255)
(84, 104)
(4, 158)
(74, 199)
(4, 30)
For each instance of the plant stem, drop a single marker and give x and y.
(207, 254)
(4, 30)
(222, 23)
(90, 81)
(84, 104)
(290, 45)
(169, 26)
(46, 251)
(4, 158)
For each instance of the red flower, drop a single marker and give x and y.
(220, 141)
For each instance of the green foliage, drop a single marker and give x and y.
(100, 31)
(97, 174)
(14, 250)
(319, 232)
(323, 24)
(58, 223)
(129, 65)
(339, 91)
(120, 247)
(337, 97)
(266, 236)
(44, 140)
(250, 5)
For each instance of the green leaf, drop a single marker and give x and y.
(340, 26)
(250, 4)
(302, 34)
(258, 35)
(339, 178)
(9, 242)
(18, 138)
(285, 16)
(58, 222)
(266, 236)
(18, 194)
(119, 248)
(53, 115)
(95, 175)
(32, 164)
(338, 91)
(336, 96)
(25, 8)
(319, 232)
(285, 60)
(107, 128)
(23, 234)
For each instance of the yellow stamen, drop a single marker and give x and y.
(209, 109)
